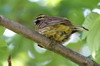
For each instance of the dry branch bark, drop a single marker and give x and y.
(47, 43)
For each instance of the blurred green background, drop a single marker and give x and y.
(25, 52)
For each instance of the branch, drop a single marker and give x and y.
(47, 43)
(9, 61)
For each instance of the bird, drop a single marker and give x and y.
(58, 29)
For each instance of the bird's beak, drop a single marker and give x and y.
(34, 20)
(81, 28)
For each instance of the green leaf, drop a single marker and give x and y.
(76, 46)
(3, 43)
(3, 49)
(1, 30)
(92, 22)
(3, 53)
(1, 64)
(97, 57)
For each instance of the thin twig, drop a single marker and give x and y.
(9, 61)
(47, 43)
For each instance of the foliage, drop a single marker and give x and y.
(92, 22)
(26, 52)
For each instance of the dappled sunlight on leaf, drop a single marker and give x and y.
(39, 49)
(92, 23)
(85, 51)
(52, 3)
(33, 0)
(9, 33)
(86, 12)
(30, 54)
(20, 59)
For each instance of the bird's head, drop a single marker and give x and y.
(39, 18)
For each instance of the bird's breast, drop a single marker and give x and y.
(59, 32)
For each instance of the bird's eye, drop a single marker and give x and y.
(37, 21)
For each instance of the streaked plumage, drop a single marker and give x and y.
(56, 28)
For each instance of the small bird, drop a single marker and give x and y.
(56, 28)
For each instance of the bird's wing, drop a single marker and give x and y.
(54, 22)
(68, 23)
